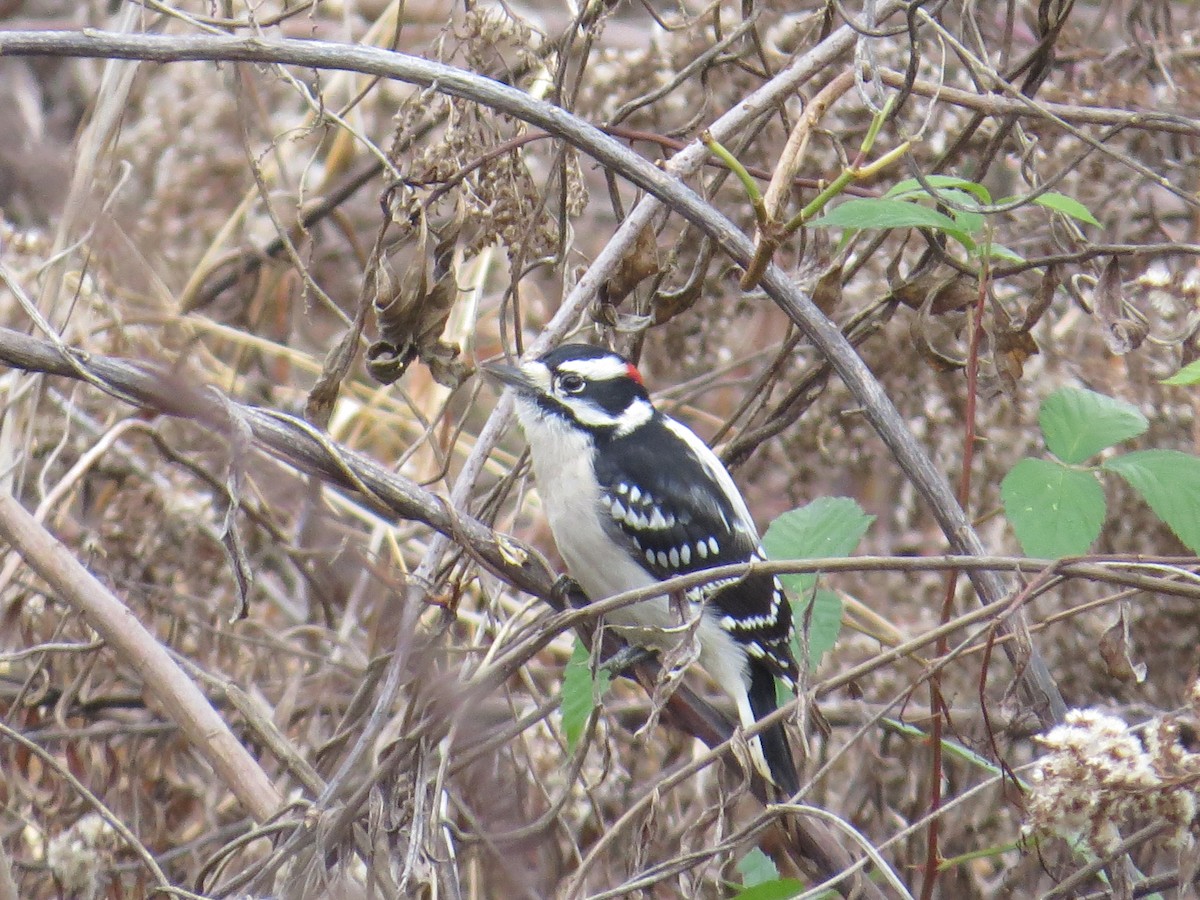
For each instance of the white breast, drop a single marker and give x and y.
(566, 482)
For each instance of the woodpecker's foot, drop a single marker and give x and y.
(625, 659)
(567, 593)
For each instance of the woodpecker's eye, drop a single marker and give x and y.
(570, 383)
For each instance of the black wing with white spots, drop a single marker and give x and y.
(664, 501)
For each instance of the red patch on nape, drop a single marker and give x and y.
(632, 372)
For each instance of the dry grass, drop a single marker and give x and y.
(152, 212)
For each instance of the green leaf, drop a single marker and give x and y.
(949, 195)
(1055, 511)
(1068, 206)
(827, 527)
(1079, 423)
(825, 624)
(999, 251)
(970, 222)
(878, 213)
(952, 195)
(779, 889)
(1189, 374)
(756, 868)
(911, 187)
(581, 692)
(1169, 481)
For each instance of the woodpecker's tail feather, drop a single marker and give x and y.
(774, 740)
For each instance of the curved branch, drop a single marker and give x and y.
(878, 408)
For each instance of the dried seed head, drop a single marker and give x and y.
(1098, 774)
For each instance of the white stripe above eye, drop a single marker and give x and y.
(604, 368)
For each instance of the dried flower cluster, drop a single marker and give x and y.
(78, 858)
(499, 190)
(1100, 774)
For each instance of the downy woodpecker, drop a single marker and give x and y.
(634, 497)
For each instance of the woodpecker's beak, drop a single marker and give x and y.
(511, 376)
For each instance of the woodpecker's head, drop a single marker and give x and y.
(586, 387)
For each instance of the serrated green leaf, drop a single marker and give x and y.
(1168, 480)
(826, 527)
(1055, 511)
(757, 868)
(1189, 374)
(779, 889)
(910, 187)
(869, 212)
(824, 625)
(1068, 206)
(581, 692)
(1078, 423)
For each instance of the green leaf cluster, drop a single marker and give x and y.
(827, 527)
(909, 205)
(1057, 507)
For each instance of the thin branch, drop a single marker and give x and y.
(997, 105)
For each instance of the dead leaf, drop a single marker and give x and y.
(635, 267)
(1012, 349)
(937, 293)
(411, 312)
(1114, 650)
(1123, 326)
(1042, 299)
(827, 294)
(927, 329)
(669, 304)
